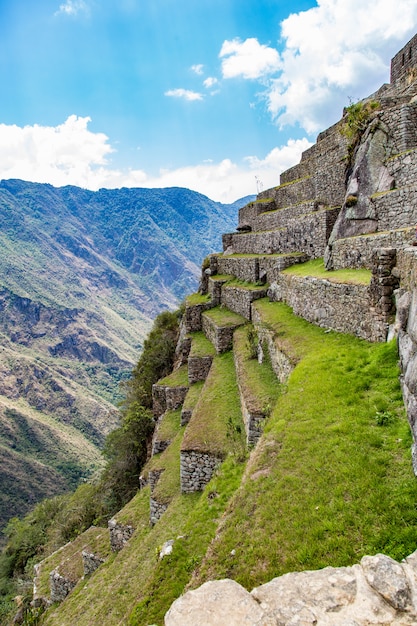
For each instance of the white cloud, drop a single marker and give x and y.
(227, 181)
(70, 154)
(248, 59)
(184, 93)
(198, 69)
(338, 50)
(211, 81)
(61, 155)
(72, 7)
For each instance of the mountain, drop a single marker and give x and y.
(82, 274)
(283, 434)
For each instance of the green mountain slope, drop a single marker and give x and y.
(329, 481)
(82, 274)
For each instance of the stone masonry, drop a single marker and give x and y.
(196, 469)
(119, 534)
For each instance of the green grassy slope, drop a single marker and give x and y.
(329, 481)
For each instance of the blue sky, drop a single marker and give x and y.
(215, 95)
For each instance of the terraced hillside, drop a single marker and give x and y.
(282, 441)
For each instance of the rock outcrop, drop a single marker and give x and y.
(379, 590)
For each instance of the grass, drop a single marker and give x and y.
(201, 346)
(193, 395)
(168, 485)
(197, 298)
(140, 586)
(238, 255)
(242, 284)
(257, 381)
(178, 378)
(169, 425)
(331, 480)
(216, 425)
(222, 317)
(316, 269)
(68, 559)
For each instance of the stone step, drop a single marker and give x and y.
(254, 267)
(356, 252)
(308, 234)
(219, 325)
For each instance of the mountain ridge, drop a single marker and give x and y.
(82, 274)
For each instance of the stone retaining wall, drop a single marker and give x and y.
(60, 586)
(186, 415)
(404, 60)
(153, 477)
(281, 218)
(293, 192)
(252, 419)
(406, 330)
(215, 290)
(243, 268)
(248, 213)
(356, 252)
(198, 368)
(91, 562)
(403, 168)
(325, 161)
(396, 209)
(196, 469)
(239, 300)
(309, 234)
(192, 316)
(341, 307)
(252, 269)
(175, 397)
(119, 534)
(157, 509)
(159, 403)
(400, 120)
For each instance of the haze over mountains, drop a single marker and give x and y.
(82, 274)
